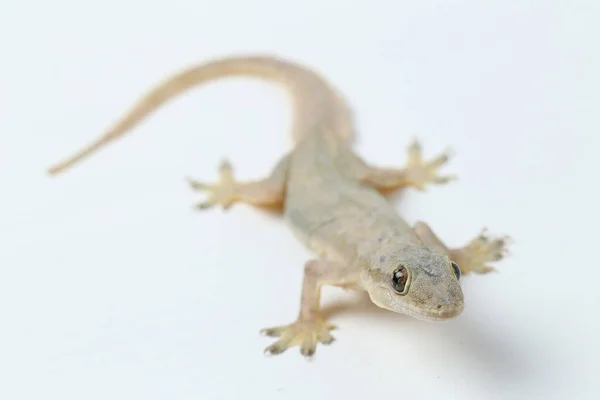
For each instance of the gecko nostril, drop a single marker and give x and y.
(439, 306)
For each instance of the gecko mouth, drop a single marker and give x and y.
(435, 314)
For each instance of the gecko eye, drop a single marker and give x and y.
(456, 270)
(400, 279)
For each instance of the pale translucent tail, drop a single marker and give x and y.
(316, 104)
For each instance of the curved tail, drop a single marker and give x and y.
(317, 105)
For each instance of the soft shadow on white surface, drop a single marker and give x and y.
(112, 287)
(496, 355)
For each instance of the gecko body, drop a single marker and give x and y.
(334, 202)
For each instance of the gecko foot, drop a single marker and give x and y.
(420, 172)
(304, 332)
(479, 251)
(222, 193)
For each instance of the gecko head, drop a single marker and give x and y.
(417, 281)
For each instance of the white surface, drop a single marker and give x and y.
(112, 288)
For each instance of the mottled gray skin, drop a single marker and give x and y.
(346, 221)
(334, 202)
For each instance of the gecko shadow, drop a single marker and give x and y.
(498, 354)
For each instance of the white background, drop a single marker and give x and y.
(112, 287)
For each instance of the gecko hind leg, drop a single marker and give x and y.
(265, 192)
(417, 173)
(475, 256)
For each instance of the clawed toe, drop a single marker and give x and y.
(222, 193)
(277, 348)
(421, 172)
(480, 251)
(304, 333)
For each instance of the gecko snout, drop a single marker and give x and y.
(448, 307)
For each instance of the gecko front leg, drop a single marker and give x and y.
(475, 256)
(310, 327)
(417, 173)
(265, 192)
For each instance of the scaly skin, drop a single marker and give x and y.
(334, 203)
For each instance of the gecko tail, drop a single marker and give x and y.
(142, 109)
(315, 102)
(151, 101)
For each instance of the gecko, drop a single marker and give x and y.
(335, 203)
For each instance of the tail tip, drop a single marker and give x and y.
(54, 170)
